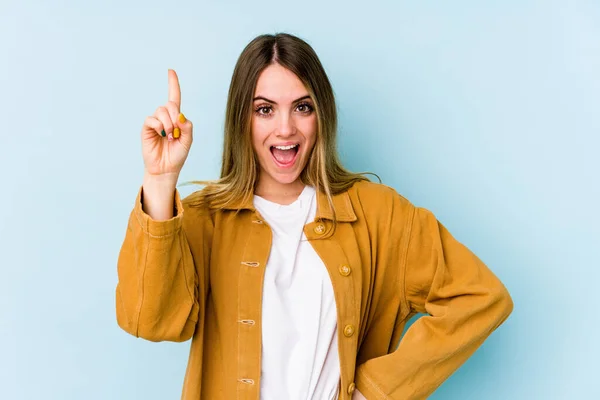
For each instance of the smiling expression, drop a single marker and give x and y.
(284, 129)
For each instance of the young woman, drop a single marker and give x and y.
(294, 277)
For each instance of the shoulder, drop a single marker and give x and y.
(192, 200)
(194, 207)
(382, 206)
(383, 212)
(375, 197)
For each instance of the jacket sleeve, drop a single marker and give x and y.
(158, 293)
(465, 303)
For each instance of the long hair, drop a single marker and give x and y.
(240, 168)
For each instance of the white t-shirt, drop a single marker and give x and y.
(300, 359)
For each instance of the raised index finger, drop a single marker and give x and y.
(174, 89)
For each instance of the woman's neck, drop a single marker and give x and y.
(276, 192)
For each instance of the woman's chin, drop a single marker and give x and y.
(285, 179)
(281, 176)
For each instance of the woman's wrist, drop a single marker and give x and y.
(158, 195)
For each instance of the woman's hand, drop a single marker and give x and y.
(356, 395)
(167, 136)
(166, 142)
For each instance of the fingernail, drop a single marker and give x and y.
(176, 133)
(163, 133)
(170, 136)
(182, 118)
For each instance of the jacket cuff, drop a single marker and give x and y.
(156, 228)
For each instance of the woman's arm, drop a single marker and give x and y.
(465, 301)
(159, 293)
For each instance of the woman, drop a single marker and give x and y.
(294, 277)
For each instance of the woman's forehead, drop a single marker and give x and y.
(279, 84)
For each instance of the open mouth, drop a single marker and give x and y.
(285, 156)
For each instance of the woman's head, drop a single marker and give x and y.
(283, 129)
(279, 94)
(281, 68)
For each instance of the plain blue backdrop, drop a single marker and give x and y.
(487, 113)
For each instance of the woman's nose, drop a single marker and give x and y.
(286, 125)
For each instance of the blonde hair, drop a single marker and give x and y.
(240, 168)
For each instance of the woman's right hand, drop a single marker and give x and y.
(167, 136)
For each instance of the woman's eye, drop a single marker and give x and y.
(263, 110)
(305, 108)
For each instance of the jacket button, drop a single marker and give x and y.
(351, 388)
(348, 330)
(319, 229)
(345, 270)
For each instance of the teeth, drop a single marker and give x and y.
(286, 147)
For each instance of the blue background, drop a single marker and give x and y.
(487, 113)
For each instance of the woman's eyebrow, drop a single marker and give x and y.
(271, 101)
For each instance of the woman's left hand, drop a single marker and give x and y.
(358, 395)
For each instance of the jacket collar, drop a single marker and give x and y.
(344, 211)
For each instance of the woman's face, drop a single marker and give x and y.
(284, 128)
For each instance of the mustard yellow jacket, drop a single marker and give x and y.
(200, 275)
